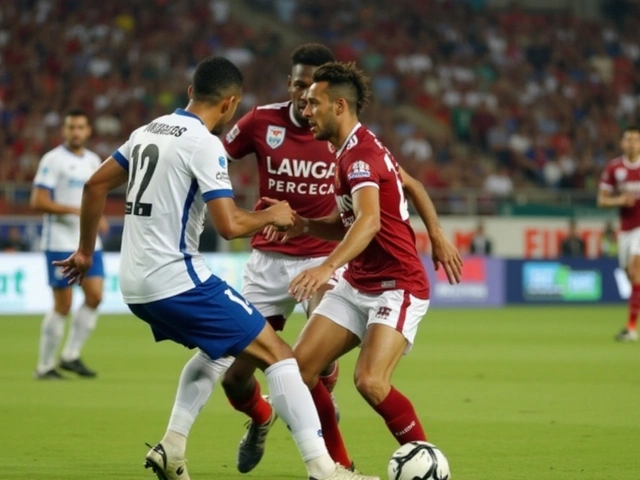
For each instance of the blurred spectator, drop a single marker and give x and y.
(499, 183)
(480, 244)
(608, 242)
(14, 241)
(572, 245)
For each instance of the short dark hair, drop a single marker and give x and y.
(77, 112)
(214, 76)
(348, 80)
(631, 129)
(314, 54)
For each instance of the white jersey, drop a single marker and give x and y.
(64, 174)
(175, 166)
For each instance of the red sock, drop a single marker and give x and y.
(401, 418)
(634, 307)
(331, 379)
(256, 407)
(330, 431)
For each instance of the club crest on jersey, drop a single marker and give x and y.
(275, 136)
(620, 174)
(359, 169)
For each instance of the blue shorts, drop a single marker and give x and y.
(212, 317)
(56, 280)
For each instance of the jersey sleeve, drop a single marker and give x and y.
(123, 154)
(361, 171)
(47, 174)
(239, 141)
(607, 182)
(209, 167)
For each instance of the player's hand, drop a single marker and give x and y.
(445, 254)
(103, 226)
(75, 267)
(307, 283)
(283, 216)
(273, 235)
(627, 199)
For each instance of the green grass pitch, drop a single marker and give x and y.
(508, 394)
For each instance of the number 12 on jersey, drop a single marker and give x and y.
(146, 161)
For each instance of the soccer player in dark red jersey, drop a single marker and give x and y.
(620, 188)
(384, 294)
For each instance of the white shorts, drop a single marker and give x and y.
(355, 310)
(266, 279)
(628, 246)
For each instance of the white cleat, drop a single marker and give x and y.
(164, 466)
(342, 473)
(627, 335)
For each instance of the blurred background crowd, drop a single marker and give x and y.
(469, 96)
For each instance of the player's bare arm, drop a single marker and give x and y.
(326, 228)
(41, 201)
(607, 200)
(233, 222)
(110, 175)
(444, 253)
(366, 209)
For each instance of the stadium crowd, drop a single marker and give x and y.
(525, 100)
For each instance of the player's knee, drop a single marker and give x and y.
(371, 386)
(62, 306)
(234, 380)
(93, 299)
(634, 274)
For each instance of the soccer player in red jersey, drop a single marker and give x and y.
(384, 293)
(620, 188)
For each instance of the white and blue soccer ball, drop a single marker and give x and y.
(418, 461)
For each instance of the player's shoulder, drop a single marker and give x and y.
(615, 162)
(272, 112)
(56, 154)
(363, 144)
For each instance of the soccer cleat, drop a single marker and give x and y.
(342, 473)
(164, 467)
(52, 374)
(77, 366)
(251, 448)
(627, 335)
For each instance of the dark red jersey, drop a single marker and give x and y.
(620, 175)
(391, 260)
(292, 166)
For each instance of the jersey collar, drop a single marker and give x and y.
(184, 113)
(630, 165)
(346, 141)
(292, 116)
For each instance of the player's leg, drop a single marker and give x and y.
(244, 394)
(293, 402)
(629, 257)
(313, 352)
(393, 322)
(329, 375)
(84, 320)
(52, 328)
(268, 293)
(51, 332)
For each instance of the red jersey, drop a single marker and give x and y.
(292, 166)
(391, 260)
(620, 176)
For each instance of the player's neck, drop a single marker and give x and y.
(344, 131)
(79, 151)
(632, 159)
(208, 115)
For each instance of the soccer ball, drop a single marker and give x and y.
(418, 461)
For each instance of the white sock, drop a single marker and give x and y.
(50, 336)
(292, 401)
(197, 380)
(82, 324)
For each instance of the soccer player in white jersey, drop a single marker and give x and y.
(176, 171)
(57, 192)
